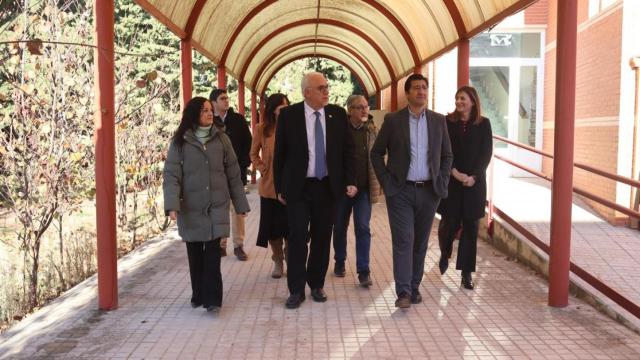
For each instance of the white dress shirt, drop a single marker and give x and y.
(310, 121)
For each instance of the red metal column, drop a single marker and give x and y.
(254, 123)
(394, 95)
(379, 100)
(241, 108)
(222, 77)
(104, 137)
(562, 186)
(463, 62)
(185, 67)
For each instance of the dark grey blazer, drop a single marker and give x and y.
(394, 140)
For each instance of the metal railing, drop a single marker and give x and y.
(606, 290)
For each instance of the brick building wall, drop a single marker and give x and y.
(597, 99)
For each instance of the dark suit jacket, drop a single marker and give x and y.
(237, 128)
(471, 155)
(291, 154)
(394, 139)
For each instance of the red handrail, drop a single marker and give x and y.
(579, 165)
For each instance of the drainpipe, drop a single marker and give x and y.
(634, 62)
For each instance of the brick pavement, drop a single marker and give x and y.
(505, 317)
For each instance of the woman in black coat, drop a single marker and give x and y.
(472, 146)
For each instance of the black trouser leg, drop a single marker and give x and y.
(321, 227)
(468, 246)
(194, 254)
(211, 283)
(298, 215)
(447, 229)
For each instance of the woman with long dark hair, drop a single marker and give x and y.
(472, 146)
(201, 176)
(273, 215)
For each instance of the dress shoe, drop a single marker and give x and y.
(467, 282)
(443, 264)
(318, 295)
(416, 298)
(403, 301)
(339, 270)
(195, 304)
(294, 301)
(278, 269)
(223, 252)
(213, 309)
(364, 279)
(240, 254)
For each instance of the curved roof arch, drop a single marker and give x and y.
(264, 62)
(404, 33)
(303, 55)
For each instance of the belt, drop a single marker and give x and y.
(419, 184)
(313, 179)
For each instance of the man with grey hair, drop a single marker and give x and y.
(312, 166)
(364, 132)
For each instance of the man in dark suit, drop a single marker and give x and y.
(312, 166)
(414, 179)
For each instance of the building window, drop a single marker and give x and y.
(597, 6)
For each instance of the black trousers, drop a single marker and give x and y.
(310, 226)
(467, 249)
(204, 268)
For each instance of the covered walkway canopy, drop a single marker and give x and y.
(381, 41)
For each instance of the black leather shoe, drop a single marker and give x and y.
(364, 279)
(443, 264)
(195, 304)
(416, 298)
(339, 270)
(318, 295)
(403, 301)
(294, 301)
(467, 282)
(213, 309)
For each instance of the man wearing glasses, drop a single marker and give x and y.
(414, 178)
(363, 131)
(312, 167)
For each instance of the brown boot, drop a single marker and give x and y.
(240, 254)
(278, 269)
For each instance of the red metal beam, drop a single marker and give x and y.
(332, 22)
(104, 137)
(236, 32)
(254, 123)
(456, 17)
(463, 62)
(186, 76)
(222, 77)
(562, 185)
(394, 95)
(193, 17)
(401, 29)
(273, 73)
(279, 51)
(241, 97)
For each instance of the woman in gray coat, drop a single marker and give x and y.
(201, 176)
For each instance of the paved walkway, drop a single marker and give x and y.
(610, 253)
(505, 317)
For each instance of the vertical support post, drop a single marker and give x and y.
(222, 77)
(104, 137)
(186, 64)
(241, 108)
(634, 62)
(394, 95)
(463, 62)
(562, 185)
(254, 123)
(379, 100)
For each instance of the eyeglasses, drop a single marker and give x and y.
(321, 88)
(360, 107)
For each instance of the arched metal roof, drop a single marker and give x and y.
(379, 40)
